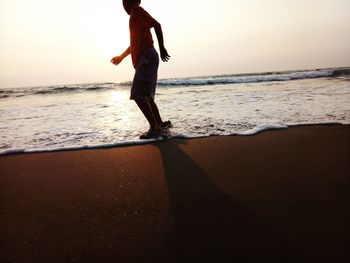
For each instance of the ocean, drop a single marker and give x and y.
(97, 115)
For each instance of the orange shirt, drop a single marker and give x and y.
(140, 25)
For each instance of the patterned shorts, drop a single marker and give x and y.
(145, 79)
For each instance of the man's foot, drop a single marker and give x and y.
(166, 125)
(150, 134)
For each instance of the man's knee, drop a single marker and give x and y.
(143, 100)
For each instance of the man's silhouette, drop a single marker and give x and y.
(145, 60)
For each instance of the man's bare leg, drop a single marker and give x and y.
(160, 122)
(147, 110)
(155, 112)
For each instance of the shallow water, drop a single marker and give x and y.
(47, 118)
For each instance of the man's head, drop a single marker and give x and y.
(130, 4)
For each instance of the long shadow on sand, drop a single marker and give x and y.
(210, 225)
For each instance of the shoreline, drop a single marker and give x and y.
(278, 196)
(252, 132)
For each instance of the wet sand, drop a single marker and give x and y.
(277, 196)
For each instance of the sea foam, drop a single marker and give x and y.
(100, 115)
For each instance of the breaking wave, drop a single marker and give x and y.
(193, 81)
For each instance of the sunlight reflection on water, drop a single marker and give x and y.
(108, 116)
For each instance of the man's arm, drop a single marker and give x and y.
(163, 52)
(116, 60)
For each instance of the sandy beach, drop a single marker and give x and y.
(279, 196)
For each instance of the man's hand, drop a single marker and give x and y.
(116, 60)
(164, 54)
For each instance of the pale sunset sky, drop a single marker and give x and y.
(72, 41)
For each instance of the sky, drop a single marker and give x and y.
(72, 41)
